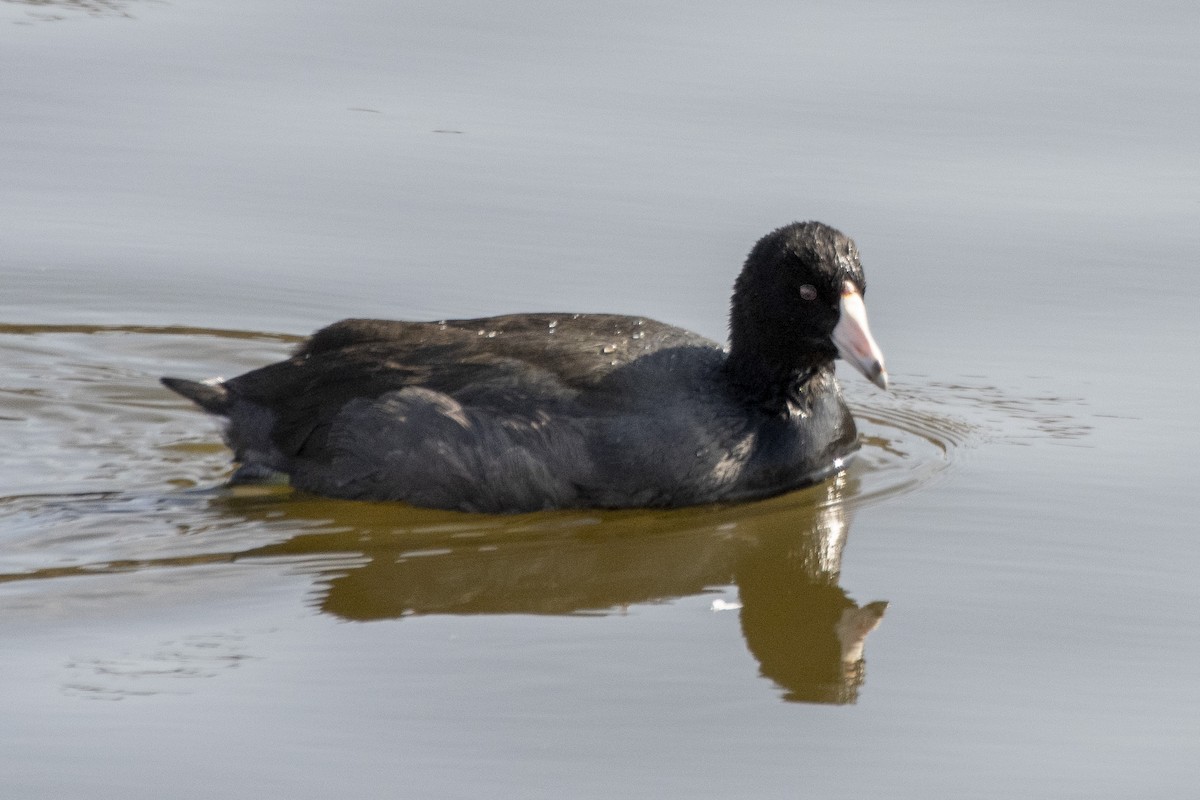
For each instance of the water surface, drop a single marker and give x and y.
(188, 188)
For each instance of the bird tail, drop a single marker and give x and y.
(213, 397)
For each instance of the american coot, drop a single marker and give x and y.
(540, 411)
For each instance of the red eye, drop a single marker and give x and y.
(808, 292)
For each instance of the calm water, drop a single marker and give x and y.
(189, 187)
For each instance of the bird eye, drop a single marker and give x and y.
(808, 292)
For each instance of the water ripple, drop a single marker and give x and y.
(105, 470)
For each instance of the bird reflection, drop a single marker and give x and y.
(802, 627)
(784, 555)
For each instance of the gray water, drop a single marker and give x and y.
(187, 188)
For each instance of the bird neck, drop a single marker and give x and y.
(775, 383)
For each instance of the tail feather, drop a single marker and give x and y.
(212, 397)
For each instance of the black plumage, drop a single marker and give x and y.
(536, 411)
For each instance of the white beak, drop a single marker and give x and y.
(852, 337)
